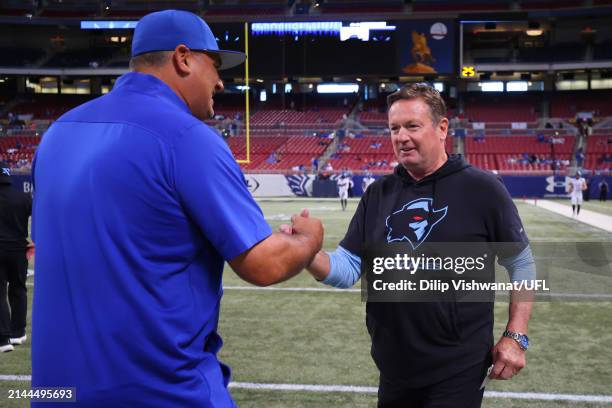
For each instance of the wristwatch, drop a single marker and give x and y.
(520, 338)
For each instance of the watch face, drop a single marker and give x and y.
(524, 341)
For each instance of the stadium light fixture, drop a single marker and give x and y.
(517, 86)
(534, 32)
(492, 86)
(534, 29)
(338, 88)
(118, 39)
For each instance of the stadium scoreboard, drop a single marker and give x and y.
(468, 71)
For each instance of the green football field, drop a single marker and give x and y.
(289, 334)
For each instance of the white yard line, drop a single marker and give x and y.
(542, 396)
(304, 387)
(373, 390)
(12, 377)
(592, 218)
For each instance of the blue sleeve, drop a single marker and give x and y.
(520, 267)
(344, 268)
(212, 189)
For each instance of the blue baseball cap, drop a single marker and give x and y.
(164, 30)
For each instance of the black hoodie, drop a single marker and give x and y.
(15, 210)
(419, 344)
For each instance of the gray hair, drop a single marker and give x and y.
(428, 94)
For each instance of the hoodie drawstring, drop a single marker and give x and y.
(433, 199)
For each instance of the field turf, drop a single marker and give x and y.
(319, 338)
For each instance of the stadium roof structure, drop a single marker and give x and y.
(40, 11)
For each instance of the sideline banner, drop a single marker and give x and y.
(279, 185)
(23, 182)
(300, 185)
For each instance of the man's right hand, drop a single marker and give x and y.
(283, 254)
(310, 228)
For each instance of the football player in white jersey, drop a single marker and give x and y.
(575, 188)
(367, 180)
(344, 183)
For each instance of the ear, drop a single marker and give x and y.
(443, 128)
(180, 60)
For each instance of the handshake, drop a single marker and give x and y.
(302, 223)
(306, 229)
(318, 264)
(283, 254)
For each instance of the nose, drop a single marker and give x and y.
(219, 87)
(402, 135)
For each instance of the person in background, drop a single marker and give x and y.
(367, 181)
(603, 190)
(345, 183)
(575, 188)
(15, 211)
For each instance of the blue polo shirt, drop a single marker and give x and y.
(137, 205)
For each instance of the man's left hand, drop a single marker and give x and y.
(508, 359)
(30, 251)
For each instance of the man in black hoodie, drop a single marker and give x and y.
(435, 353)
(15, 210)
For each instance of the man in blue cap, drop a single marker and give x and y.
(138, 204)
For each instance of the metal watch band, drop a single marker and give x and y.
(516, 337)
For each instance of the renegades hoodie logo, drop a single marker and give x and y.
(414, 221)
